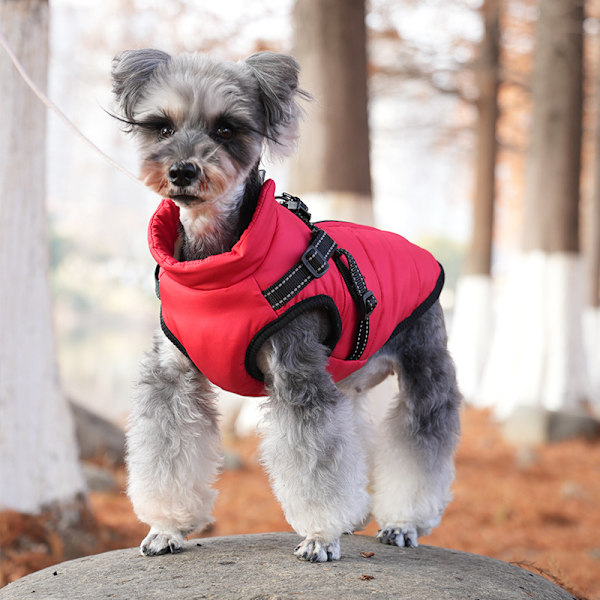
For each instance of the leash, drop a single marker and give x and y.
(59, 113)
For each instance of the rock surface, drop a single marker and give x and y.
(262, 567)
(532, 425)
(97, 436)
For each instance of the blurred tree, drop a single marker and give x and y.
(592, 251)
(472, 325)
(552, 186)
(38, 455)
(593, 220)
(538, 358)
(333, 157)
(479, 257)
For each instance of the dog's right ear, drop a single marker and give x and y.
(131, 71)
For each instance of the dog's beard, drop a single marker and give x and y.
(213, 182)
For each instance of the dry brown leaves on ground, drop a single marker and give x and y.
(538, 508)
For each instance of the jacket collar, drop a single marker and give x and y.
(220, 269)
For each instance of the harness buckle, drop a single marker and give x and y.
(367, 304)
(315, 262)
(295, 205)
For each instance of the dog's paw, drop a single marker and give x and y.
(316, 551)
(404, 537)
(161, 542)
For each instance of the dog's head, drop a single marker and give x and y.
(202, 124)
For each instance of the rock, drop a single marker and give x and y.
(534, 425)
(262, 567)
(565, 425)
(97, 436)
(99, 479)
(232, 461)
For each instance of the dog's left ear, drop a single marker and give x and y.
(277, 77)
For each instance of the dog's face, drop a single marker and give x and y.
(201, 124)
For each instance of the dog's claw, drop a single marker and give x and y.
(403, 537)
(315, 551)
(157, 543)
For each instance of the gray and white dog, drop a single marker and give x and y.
(202, 126)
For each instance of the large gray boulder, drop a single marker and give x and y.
(262, 567)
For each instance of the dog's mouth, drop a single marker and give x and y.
(186, 199)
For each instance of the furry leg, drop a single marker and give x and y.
(311, 447)
(414, 465)
(173, 448)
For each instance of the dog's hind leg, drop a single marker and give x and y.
(414, 465)
(173, 448)
(311, 448)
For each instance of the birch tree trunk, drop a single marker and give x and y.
(38, 456)
(472, 324)
(333, 157)
(592, 309)
(538, 357)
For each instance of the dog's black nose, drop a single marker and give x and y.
(183, 173)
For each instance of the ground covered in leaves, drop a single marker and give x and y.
(539, 508)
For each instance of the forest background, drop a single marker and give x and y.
(439, 75)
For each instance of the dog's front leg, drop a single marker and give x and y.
(311, 447)
(173, 448)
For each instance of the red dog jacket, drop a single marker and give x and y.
(221, 309)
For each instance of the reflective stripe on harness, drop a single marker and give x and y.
(365, 299)
(313, 264)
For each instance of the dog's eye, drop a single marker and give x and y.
(225, 133)
(166, 132)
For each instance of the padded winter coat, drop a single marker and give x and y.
(221, 309)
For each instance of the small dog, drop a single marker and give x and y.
(202, 126)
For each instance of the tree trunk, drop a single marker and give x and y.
(538, 355)
(552, 186)
(593, 222)
(38, 456)
(333, 156)
(479, 259)
(592, 309)
(472, 324)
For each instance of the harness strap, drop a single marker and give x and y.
(296, 205)
(313, 264)
(365, 299)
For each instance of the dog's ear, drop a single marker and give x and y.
(277, 77)
(131, 71)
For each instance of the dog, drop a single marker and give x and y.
(202, 126)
